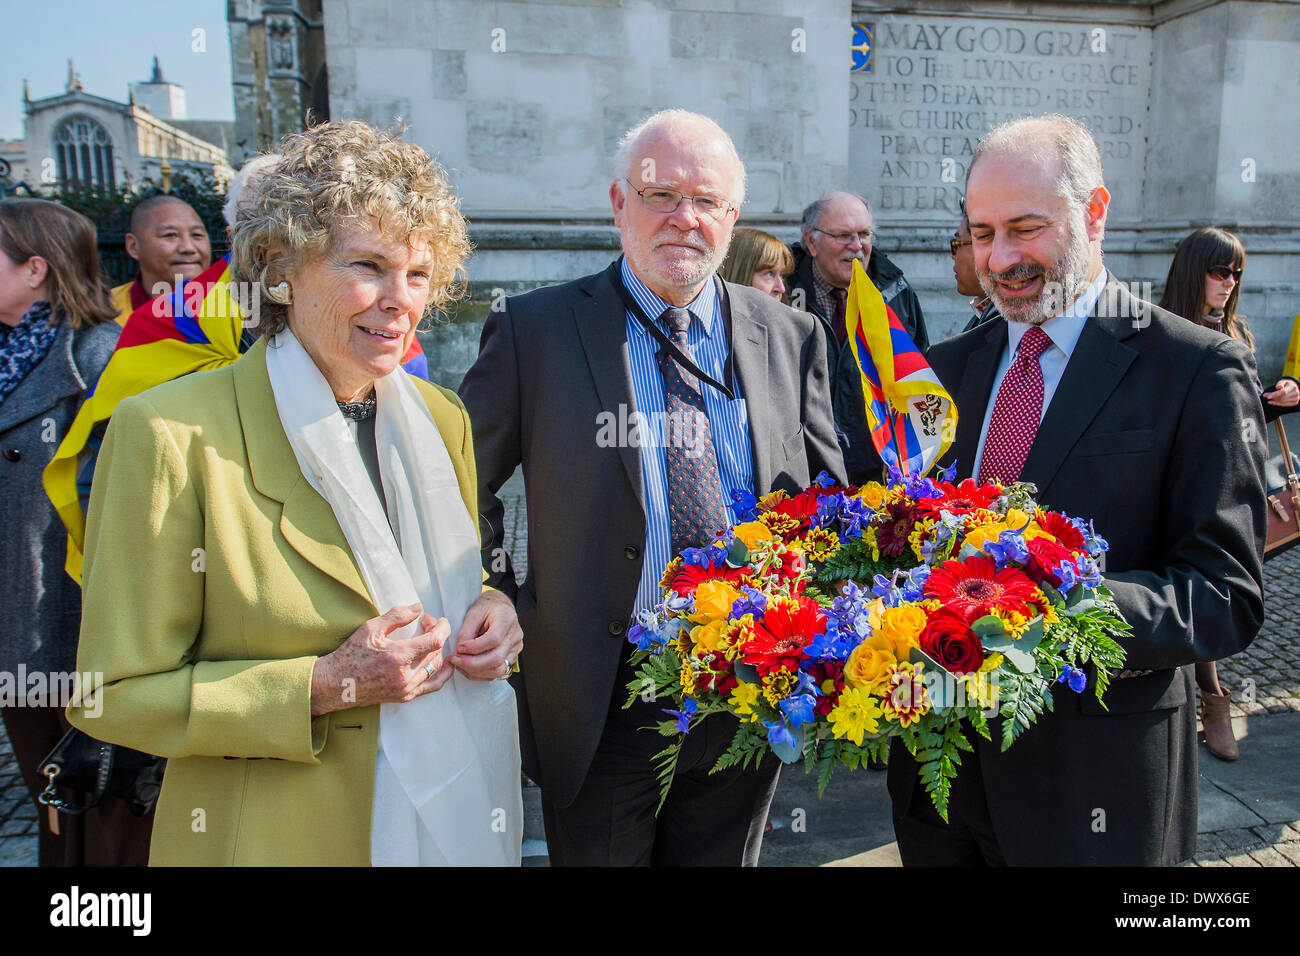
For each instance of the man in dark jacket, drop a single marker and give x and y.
(837, 229)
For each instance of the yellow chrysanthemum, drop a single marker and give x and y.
(1012, 620)
(713, 600)
(737, 633)
(920, 532)
(869, 537)
(772, 499)
(855, 714)
(777, 686)
(670, 572)
(980, 691)
(906, 700)
(781, 524)
(753, 533)
(743, 698)
(820, 543)
(687, 677)
(991, 662)
(872, 493)
(1049, 614)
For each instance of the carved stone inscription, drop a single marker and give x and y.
(937, 84)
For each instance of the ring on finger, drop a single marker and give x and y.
(506, 669)
(428, 669)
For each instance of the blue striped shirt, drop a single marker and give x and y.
(706, 340)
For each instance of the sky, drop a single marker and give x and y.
(113, 44)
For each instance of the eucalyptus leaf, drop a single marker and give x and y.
(788, 753)
(969, 550)
(738, 554)
(1021, 660)
(747, 673)
(989, 626)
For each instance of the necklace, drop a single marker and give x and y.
(359, 411)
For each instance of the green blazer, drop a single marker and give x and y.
(215, 576)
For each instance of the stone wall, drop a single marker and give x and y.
(523, 102)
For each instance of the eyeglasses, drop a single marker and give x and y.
(663, 199)
(955, 244)
(846, 237)
(1222, 272)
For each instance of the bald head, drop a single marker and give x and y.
(837, 230)
(167, 239)
(242, 190)
(692, 134)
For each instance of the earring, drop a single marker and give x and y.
(280, 293)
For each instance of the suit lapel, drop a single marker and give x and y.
(306, 520)
(749, 350)
(602, 329)
(1098, 363)
(54, 378)
(975, 393)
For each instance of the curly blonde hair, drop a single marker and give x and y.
(331, 175)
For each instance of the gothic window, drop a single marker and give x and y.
(83, 152)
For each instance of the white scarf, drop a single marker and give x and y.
(447, 772)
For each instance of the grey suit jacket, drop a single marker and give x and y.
(40, 606)
(1156, 433)
(549, 365)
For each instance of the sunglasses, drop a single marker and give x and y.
(1223, 272)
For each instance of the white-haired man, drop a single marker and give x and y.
(1151, 426)
(654, 338)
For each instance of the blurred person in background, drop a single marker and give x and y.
(1204, 285)
(758, 259)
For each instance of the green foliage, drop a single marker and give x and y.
(937, 754)
(748, 746)
(1021, 704)
(663, 668)
(110, 209)
(665, 763)
(854, 562)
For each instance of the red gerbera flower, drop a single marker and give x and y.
(801, 508)
(779, 639)
(685, 578)
(891, 537)
(961, 499)
(1061, 528)
(973, 587)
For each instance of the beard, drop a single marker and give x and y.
(1063, 282)
(674, 268)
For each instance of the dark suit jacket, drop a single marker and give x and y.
(548, 366)
(1156, 433)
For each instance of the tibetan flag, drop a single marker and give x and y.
(912, 418)
(1291, 367)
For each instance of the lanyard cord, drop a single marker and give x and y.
(616, 277)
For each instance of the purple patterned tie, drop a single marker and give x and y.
(696, 508)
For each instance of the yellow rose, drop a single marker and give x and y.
(713, 600)
(873, 493)
(870, 663)
(710, 638)
(976, 537)
(902, 627)
(753, 533)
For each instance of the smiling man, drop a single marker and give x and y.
(167, 239)
(1122, 413)
(743, 378)
(838, 230)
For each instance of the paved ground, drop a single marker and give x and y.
(1249, 811)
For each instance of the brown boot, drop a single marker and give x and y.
(1218, 725)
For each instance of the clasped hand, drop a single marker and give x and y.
(372, 667)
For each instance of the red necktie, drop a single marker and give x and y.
(1017, 412)
(838, 321)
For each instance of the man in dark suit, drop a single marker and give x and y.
(1123, 413)
(576, 382)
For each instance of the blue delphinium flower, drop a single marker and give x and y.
(1089, 573)
(1094, 543)
(949, 473)
(778, 731)
(836, 644)
(1074, 677)
(645, 632)
(689, 707)
(798, 710)
(1009, 548)
(743, 504)
(824, 479)
(753, 602)
(1066, 572)
(912, 586)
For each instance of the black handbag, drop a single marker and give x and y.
(81, 762)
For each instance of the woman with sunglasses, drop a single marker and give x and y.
(1204, 285)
